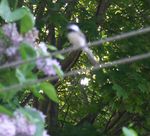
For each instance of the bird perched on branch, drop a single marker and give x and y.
(78, 39)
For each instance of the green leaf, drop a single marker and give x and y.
(7, 77)
(27, 22)
(13, 3)
(4, 10)
(59, 72)
(49, 90)
(9, 16)
(5, 111)
(8, 96)
(59, 56)
(16, 15)
(24, 72)
(27, 51)
(36, 93)
(120, 91)
(1, 86)
(23, 14)
(129, 132)
(20, 75)
(143, 88)
(52, 48)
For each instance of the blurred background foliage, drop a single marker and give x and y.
(96, 103)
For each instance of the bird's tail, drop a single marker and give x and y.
(90, 56)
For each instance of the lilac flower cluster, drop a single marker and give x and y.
(10, 30)
(19, 125)
(48, 65)
(31, 36)
(23, 126)
(7, 127)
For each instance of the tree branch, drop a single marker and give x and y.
(102, 7)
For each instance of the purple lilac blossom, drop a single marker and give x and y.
(42, 116)
(7, 127)
(11, 51)
(2, 46)
(42, 47)
(11, 31)
(31, 36)
(23, 126)
(48, 66)
(19, 125)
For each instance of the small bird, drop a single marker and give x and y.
(78, 39)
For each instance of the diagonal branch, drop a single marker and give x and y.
(102, 7)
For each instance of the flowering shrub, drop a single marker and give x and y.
(19, 42)
(16, 40)
(22, 123)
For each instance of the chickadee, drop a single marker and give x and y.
(78, 39)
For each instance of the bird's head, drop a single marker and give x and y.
(73, 28)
